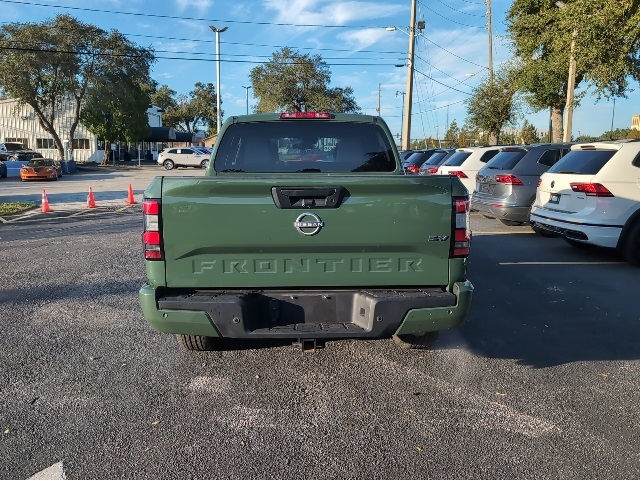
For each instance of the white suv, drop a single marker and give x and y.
(183, 157)
(464, 163)
(592, 195)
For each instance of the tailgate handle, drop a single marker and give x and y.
(306, 197)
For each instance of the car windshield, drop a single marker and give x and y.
(40, 162)
(457, 159)
(585, 162)
(300, 146)
(506, 159)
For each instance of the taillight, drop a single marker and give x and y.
(432, 170)
(539, 181)
(592, 189)
(413, 169)
(461, 229)
(508, 179)
(458, 174)
(290, 115)
(152, 238)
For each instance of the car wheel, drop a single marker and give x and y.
(422, 342)
(198, 343)
(631, 248)
(204, 163)
(168, 164)
(510, 223)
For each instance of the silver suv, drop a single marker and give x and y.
(506, 185)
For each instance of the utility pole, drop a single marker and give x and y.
(406, 127)
(490, 41)
(247, 96)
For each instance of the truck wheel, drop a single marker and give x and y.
(631, 248)
(198, 343)
(168, 164)
(424, 342)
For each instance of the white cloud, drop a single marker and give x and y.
(361, 39)
(319, 12)
(197, 6)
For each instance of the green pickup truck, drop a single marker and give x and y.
(305, 228)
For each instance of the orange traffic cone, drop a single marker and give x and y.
(91, 201)
(131, 199)
(45, 203)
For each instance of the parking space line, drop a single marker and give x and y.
(562, 263)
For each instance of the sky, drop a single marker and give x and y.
(451, 53)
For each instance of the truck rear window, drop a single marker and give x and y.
(304, 146)
(584, 162)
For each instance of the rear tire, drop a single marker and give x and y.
(631, 248)
(168, 164)
(198, 343)
(510, 223)
(416, 342)
(204, 163)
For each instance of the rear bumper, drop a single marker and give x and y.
(600, 235)
(306, 314)
(516, 213)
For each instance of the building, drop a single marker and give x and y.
(635, 122)
(20, 124)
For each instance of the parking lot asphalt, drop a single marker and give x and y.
(69, 195)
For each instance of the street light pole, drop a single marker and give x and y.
(571, 85)
(571, 81)
(217, 31)
(247, 92)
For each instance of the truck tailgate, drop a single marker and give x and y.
(231, 233)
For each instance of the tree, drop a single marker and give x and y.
(291, 81)
(44, 65)
(494, 103)
(528, 133)
(188, 112)
(452, 134)
(117, 111)
(606, 36)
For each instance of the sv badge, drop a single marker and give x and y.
(438, 238)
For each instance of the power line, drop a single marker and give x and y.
(125, 55)
(173, 17)
(200, 40)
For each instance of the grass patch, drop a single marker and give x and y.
(11, 208)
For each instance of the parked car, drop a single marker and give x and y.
(592, 196)
(506, 185)
(182, 157)
(41, 169)
(404, 154)
(205, 150)
(3, 170)
(430, 167)
(17, 151)
(413, 162)
(466, 162)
